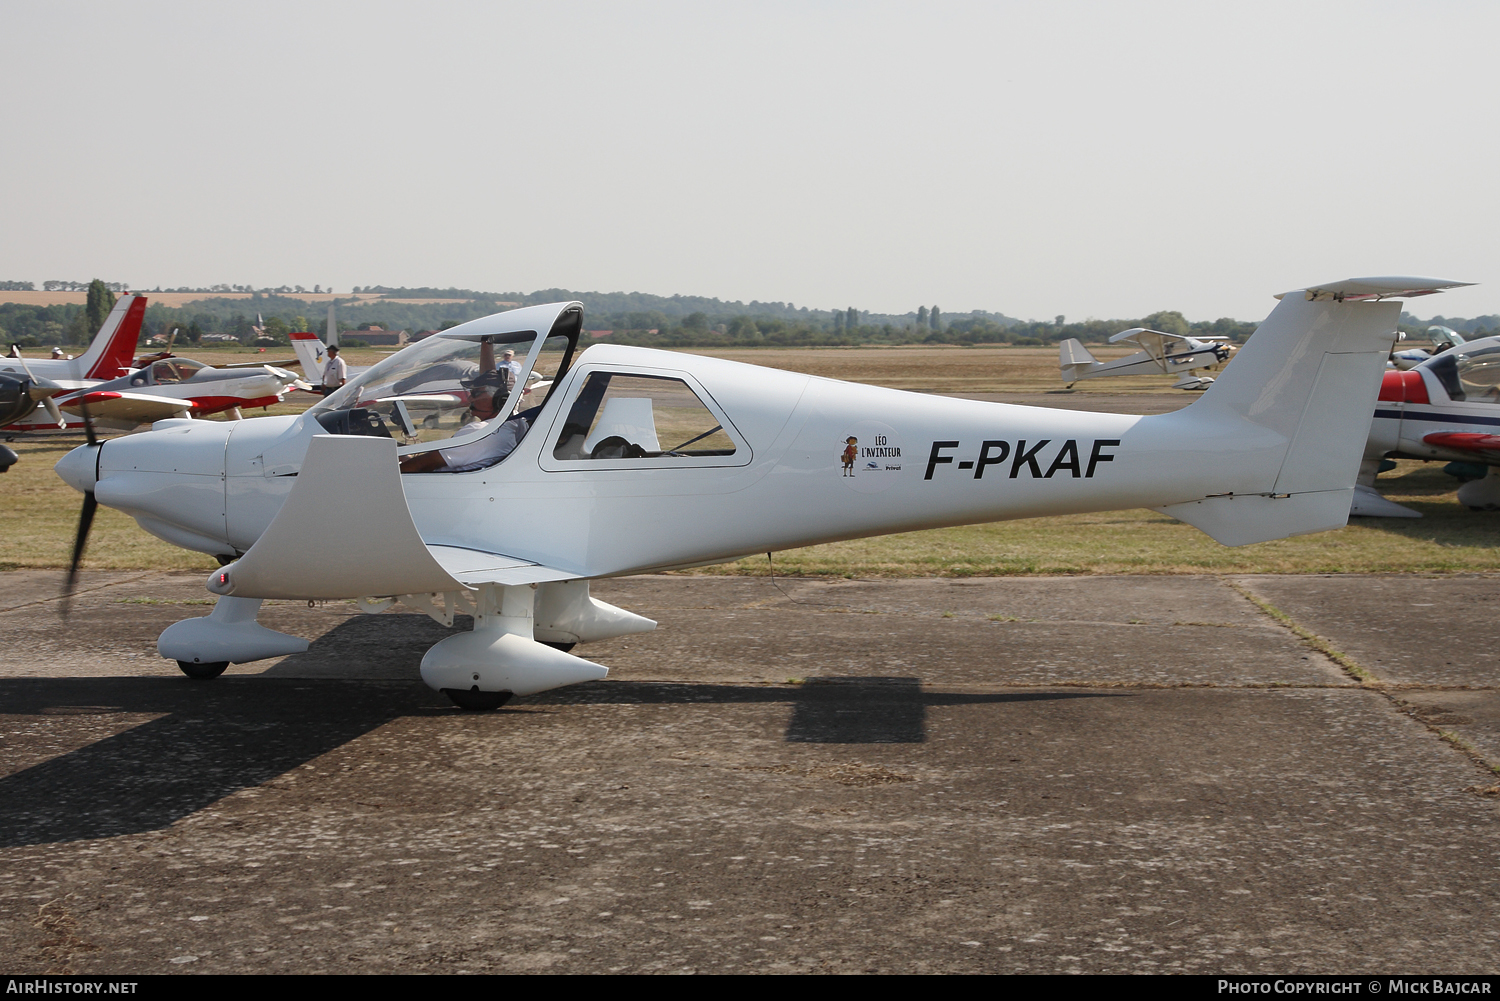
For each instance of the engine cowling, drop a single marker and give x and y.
(17, 400)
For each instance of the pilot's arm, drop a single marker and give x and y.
(423, 462)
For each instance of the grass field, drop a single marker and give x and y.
(38, 513)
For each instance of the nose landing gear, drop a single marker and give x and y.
(476, 700)
(203, 672)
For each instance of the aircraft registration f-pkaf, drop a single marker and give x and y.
(641, 460)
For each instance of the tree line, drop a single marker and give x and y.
(629, 317)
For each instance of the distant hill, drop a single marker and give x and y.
(34, 318)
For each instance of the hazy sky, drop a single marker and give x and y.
(1090, 159)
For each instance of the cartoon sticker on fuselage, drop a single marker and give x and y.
(871, 458)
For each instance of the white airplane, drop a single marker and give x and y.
(179, 387)
(641, 460)
(29, 383)
(1160, 354)
(1441, 337)
(1447, 408)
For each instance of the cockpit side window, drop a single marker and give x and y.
(170, 370)
(627, 416)
(164, 372)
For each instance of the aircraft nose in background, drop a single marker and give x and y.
(79, 467)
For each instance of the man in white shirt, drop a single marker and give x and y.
(484, 404)
(335, 373)
(508, 362)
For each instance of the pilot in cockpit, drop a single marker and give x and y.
(488, 392)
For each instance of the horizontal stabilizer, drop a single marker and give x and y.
(1241, 520)
(1389, 287)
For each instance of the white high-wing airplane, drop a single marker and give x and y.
(1160, 354)
(1442, 338)
(641, 460)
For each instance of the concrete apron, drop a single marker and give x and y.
(1029, 774)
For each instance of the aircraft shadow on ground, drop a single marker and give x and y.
(847, 710)
(369, 646)
(220, 737)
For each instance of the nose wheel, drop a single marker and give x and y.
(202, 671)
(476, 700)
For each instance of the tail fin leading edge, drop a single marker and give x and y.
(113, 349)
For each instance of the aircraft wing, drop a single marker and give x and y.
(373, 547)
(280, 362)
(138, 407)
(1484, 446)
(1157, 342)
(473, 566)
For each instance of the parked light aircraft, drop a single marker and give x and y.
(180, 387)
(116, 395)
(29, 383)
(1441, 338)
(1160, 354)
(641, 460)
(1447, 408)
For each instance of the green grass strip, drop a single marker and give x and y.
(1349, 664)
(1367, 680)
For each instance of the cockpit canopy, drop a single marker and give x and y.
(167, 372)
(420, 394)
(1469, 371)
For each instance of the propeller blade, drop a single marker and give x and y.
(88, 429)
(41, 389)
(85, 515)
(85, 522)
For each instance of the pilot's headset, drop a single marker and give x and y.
(491, 382)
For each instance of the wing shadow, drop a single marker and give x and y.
(237, 732)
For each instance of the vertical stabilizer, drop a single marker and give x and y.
(311, 353)
(1074, 359)
(333, 328)
(1310, 374)
(113, 349)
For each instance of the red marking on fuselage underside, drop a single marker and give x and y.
(218, 404)
(1465, 441)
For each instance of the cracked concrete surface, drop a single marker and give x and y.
(1030, 774)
